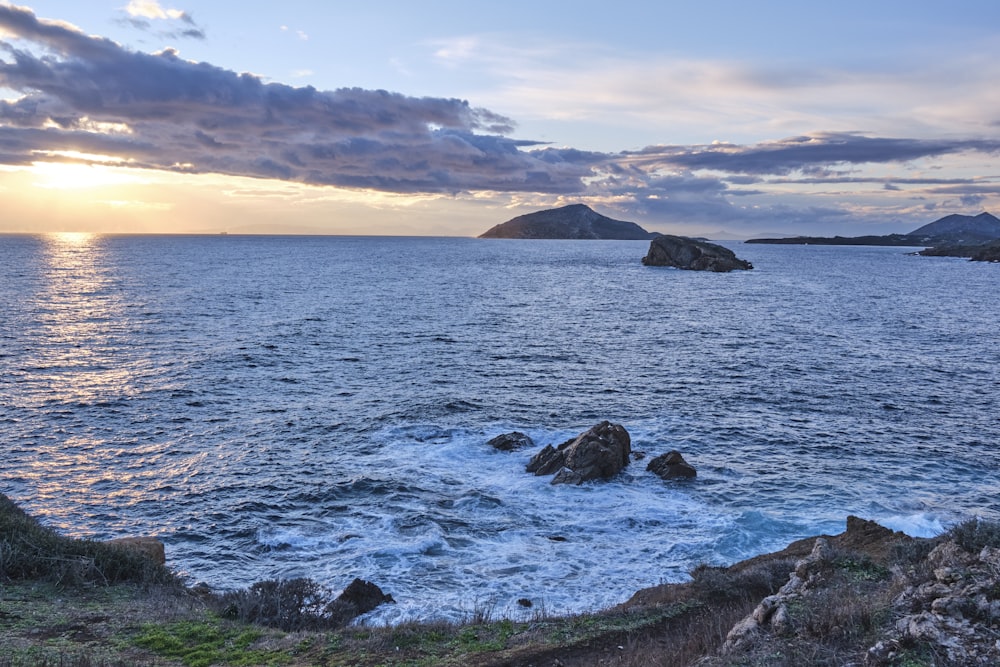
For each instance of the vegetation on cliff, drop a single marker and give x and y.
(867, 596)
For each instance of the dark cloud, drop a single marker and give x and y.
(201, 118)
(814, 154)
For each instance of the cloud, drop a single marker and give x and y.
(805, 154)
(141, 12)
(151, 9)
(201, 118)
(91, 96)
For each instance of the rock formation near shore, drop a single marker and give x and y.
(986, 252)
(509, 442)
(576, 221)
(672, 466)
(601, 452)
(693, 255)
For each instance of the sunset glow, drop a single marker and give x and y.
(681, 128)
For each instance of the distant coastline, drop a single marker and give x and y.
(951, 230)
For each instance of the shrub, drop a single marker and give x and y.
(31, 551)
(974, 534)
(287, 604)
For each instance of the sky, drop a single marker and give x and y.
(720, 118)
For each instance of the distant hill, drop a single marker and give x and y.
(576, 221)
(973, 229)
(950, 230)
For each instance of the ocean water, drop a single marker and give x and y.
(320, 406)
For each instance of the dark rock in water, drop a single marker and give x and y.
(509, 442)
(598, 453)
(672, 466)
(576, 221)
(692, 254)
(360, 597)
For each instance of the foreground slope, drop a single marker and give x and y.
(867, 596)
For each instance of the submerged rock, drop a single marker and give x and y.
(672, 466)
(509, 442)
(601, 452)
(693, 255)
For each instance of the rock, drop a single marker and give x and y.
(598, 453)
(509, 442)
(772, 612)
(548, 461)
(148, 546)
(692, 254)
(362, 596)
(986, 252)
(672, 466)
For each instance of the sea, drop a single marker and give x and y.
(273, 407)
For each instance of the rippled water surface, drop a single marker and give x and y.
(319, 406)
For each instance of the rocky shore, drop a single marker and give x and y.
(865, 597)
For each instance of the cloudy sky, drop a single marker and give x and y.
(719, 117)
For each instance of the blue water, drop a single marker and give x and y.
(320, 406)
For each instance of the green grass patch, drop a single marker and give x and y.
(204, 643)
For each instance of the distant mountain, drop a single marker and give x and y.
(972, 229)
(952, 230)
(576, 221)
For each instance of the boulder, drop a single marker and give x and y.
(598, 453)
(692, 254)
(363, 596)
(672, 466)
(150, 547)
(509, 442)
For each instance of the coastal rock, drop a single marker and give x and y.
(601, 452)
(509, 442)
(692, 255)
(986, 252)
(672, 466)
(360, 597)
(772, 612)
(148, 546)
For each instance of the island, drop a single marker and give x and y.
(573, 222)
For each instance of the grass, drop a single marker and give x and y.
(201, 643)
